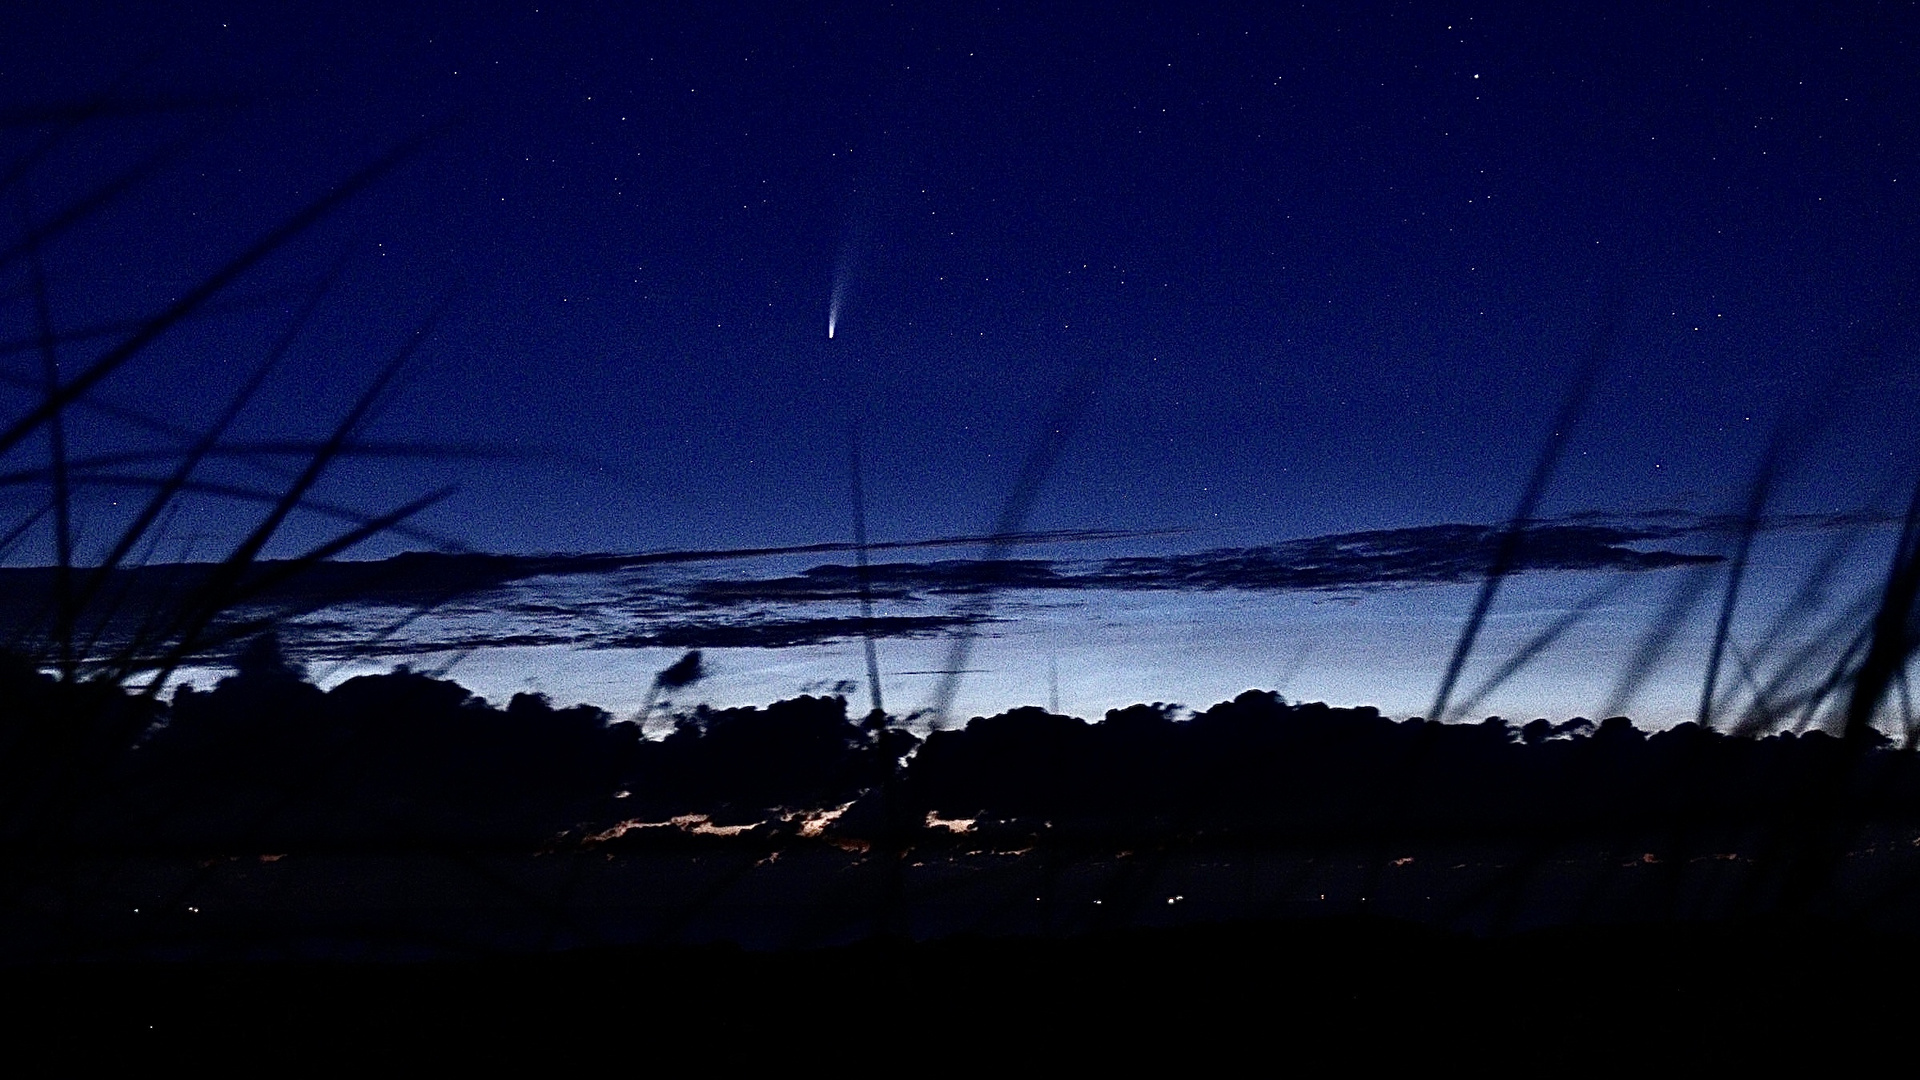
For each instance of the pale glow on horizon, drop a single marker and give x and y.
(1097, 648)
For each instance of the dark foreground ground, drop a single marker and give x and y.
(1272, 997)
(269, 876)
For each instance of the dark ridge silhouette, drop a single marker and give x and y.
(388, 761)
(265, 763)
(1318, 774)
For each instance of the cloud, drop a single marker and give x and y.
(428, 602)
(786, 633)
(336, 639)
(887, 581)
(438, 577)
(1426, 555)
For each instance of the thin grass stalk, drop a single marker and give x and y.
(19, 532)
(1891, 645)
(1840, 676)
(68, 119)
(1657, 639)
(193, 637)
(1772, 700)
(1540, 643)
(1806, 600)
(1511, 538)
(109, 610)
(208, 287)
(268, 450)
(1049, 443)
(36, 237)
(115, 327)
(262, 496)
(863, 573)
(223, 585)
(1757, 496)
(156, 618)
(61, 493)
(165, 494)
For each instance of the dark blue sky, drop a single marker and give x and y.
(1299, 268)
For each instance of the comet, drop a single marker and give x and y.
(833, 304)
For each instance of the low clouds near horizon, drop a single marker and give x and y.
(638, 607)
(425, 602)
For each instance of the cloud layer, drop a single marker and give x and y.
(463, 601)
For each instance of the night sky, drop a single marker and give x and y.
(1255, 273)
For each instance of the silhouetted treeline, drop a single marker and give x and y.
(1257, 766)
(266, 760)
